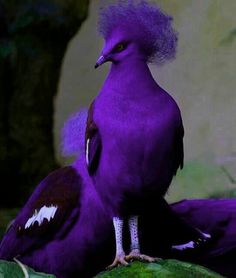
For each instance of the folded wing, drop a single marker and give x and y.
(48, 215)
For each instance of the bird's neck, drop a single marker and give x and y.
(132, 75)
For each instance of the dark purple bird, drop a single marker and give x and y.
(216, 217)
(133, 148)
(63, 227)
(134, 134)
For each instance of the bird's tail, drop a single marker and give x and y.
(72, 134)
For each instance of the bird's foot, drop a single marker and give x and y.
(136, 255)
(119, 260)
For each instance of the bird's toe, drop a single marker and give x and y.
(134, 255)
(119, 260)
(149, 259)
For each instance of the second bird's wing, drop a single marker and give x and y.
(93, 143)
(48, 215)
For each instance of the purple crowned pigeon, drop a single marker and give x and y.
(134, 133)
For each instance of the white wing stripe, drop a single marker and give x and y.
(87, 151)
(181, 247)
(38, 216)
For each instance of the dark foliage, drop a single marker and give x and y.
(33, 39)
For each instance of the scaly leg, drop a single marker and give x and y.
(120, 254)
(135, 247)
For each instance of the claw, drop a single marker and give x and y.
(119, 260)
(135, 255)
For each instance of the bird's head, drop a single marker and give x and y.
(120, 46)
(136, 30)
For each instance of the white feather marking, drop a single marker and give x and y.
(207, 236)
(87, 151)
(181, 247)
(38, 216)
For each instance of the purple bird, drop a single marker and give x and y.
(63, 228)
(132, 149)
(134, 133)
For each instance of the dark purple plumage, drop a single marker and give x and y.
(92, 142)
(133, 148)
(66, 243)
(218, 218)
(69, 247)
(146, 23)
(61, 190)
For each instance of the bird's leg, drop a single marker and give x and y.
(120, 254)
(135, 253)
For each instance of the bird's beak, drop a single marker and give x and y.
(100, 61)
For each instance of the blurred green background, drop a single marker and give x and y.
(47, 51)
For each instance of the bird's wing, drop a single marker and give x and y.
(48, 215)
(93, 144)
(178, 159)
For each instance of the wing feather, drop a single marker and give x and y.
(49, 214)
(93, 142)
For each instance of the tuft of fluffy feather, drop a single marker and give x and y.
(72, 134)
(155, 33)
